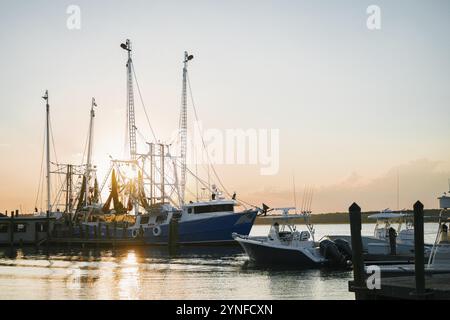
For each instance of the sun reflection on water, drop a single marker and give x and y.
(129, 277)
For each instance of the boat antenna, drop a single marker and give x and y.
(131, 123)
(47, 125)
(183, 126)
(303, 199)
(295, 194)
(398, 189)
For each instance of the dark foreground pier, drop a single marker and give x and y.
(422, 285)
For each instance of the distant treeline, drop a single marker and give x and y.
(342, 217)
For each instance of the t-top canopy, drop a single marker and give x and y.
(387, 216)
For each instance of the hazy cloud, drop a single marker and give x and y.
(422, 180)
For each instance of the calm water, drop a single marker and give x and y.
(152, 273)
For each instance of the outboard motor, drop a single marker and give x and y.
(344, 248)
(331, 252)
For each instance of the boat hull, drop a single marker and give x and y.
(207, 231)
(264, 255)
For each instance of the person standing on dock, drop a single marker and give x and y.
(444, 233)
(393, 241)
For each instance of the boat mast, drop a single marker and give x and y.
(89, 154)
(183, 126)
(47, 134)
(130, 101)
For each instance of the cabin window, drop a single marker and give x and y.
(214, 208)
(144, 220)
(41, 227)
(189, 210)
(20, 227)
(4, 228)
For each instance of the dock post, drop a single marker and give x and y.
(124, 230)
(419, 259)
(11, 230)
(48, 226)
(357, 254)
(80, 228)
(114, 233)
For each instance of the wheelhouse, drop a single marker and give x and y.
(209, 207)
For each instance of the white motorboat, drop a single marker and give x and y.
(385, 229)
(286, 246)
(440, 252)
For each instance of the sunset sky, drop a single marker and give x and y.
(354, 107)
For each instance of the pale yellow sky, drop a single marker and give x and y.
(352, 106)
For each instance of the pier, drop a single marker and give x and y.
(424, 284)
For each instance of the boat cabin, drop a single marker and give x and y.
(214, 206)
(24, 229)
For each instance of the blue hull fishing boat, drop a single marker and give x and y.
(210, 222)
(147, 193)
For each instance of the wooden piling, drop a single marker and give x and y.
(47, 222)
(11, 230)
(393, 241)
(419, 261)
(36, 234)
(114, 233)
(357, 254)
(124, 230)
(80, 228)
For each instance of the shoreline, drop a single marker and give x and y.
(339, 217)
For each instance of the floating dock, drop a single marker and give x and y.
(421, 283)
(437, 287)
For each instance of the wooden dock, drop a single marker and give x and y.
(437, 287)
(421, 283)
(97, 242)
(371, 259)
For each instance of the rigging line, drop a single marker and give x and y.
(207, 186)
(143, 105)
(85, 148)
(201, 136)
(308, 195)
(295, 195)
(141, 135)
(196, 173)
(54, 148)
(311, 198)
(41, 171)
(204, 146)
(305, 196)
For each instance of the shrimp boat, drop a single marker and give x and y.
(32, 228)
(208, 222)
(147, 192)
(288, 247)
